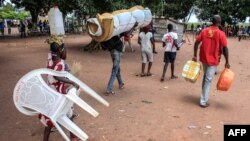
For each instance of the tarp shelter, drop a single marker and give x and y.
(160, 25)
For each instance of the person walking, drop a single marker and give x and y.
(22, 29)
(212, 39)
(2, 28)
(9, 24)
(115, 46)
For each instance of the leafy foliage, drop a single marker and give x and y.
(8, 12)
(33, 6)
(232, 11)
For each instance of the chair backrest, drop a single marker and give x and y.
(32, 92)
(32, 95)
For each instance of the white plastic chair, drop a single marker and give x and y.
(32, 96)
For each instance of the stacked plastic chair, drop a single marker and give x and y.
(32, 96)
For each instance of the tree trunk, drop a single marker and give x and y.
(34, 16)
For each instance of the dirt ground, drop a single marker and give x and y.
(173, 115)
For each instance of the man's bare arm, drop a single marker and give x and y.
(66, 80)
(196, 46)
(152, 42)
(226, 55)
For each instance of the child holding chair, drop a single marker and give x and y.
(58, 83)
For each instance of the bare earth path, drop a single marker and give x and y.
(170, 117)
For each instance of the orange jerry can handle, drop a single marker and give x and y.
(226, 79)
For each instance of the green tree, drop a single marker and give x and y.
(178, 9)
(232, 11)
(37, 7)
(8, 12)
(1, 2)
(33, 6)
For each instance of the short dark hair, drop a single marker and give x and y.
(170, 27)
(215, 19)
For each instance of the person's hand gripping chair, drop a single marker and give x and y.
(32, 96)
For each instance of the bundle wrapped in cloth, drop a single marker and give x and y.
(107, 25)
(191, 71)
(59, 39)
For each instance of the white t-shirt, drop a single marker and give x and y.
(146, 40)
(169, 38)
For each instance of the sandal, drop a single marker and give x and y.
(142, 75)
(205, 105)
(174, 77)
(122, 86)
(109, 93)
(75, 115)
(149, 74)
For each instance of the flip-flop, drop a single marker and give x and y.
(75, 115)
(174, 77)
(205, 106)
(142, 75)
(122, 86)
(109, 93)
(149, 74)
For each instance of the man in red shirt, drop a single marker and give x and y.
(211, 39)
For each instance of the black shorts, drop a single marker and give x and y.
(169, 57)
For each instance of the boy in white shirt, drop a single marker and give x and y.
(146, 41)
(170, 44)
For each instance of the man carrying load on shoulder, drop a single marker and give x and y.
(115, 46)
(211, 40)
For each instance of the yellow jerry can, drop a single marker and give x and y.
(191, 71)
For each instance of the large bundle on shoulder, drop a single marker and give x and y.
(107, 25)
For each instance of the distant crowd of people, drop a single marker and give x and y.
(10, 24)
(24, 27)
(43, 26)
(242, 32)
(27, 26)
